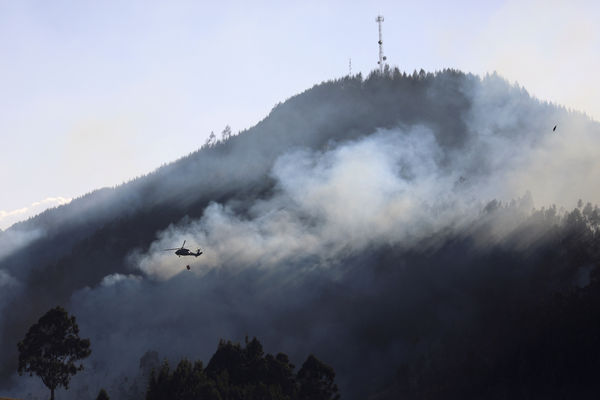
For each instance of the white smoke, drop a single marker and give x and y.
(400, 187)
(14, 240)
(388, 188)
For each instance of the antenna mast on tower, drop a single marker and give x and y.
(382, 58)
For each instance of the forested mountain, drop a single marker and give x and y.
(418, 233)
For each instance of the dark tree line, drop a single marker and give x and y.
(52, 347)
(238, 372)
(537, 339)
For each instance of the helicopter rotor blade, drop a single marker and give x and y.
(183, 244)
(170, 249)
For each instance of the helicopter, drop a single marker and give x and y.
(182, 251)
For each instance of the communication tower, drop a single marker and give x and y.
(382, 58)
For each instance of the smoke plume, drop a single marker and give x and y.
(336, 257)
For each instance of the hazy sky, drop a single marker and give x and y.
(94, 93)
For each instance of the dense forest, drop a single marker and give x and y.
(235, 372)
(419, 232)
(534, 332)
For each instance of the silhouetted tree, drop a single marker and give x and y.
(279, 371)
(211, 141)
(50, 349)
(102, 395)
(187, 382)
(237, 372)
(316, 381)
(159, 386)
(226, 134)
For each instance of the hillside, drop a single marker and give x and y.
(380, 223)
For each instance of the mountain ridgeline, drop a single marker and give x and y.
(419, 233)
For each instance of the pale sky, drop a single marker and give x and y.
(94, 93)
